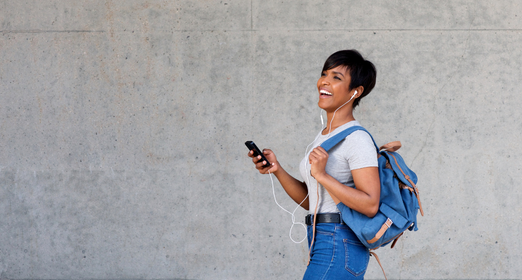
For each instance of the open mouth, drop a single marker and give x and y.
(324, 92)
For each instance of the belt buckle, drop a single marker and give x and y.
(308, 219)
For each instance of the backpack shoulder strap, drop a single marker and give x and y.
(334, 140)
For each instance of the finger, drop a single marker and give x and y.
(256, 159)
(313, 153)
(269, 168)
(320, 151)
(323, 152)
(260, 164)
(312, 158)
(316, 154)
(268, 154)
(272, 165)
(264, 170)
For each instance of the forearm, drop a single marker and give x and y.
(296, 189)
(366, 203)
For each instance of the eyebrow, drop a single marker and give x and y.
(338, 73)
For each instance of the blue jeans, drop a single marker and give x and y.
(336, 253)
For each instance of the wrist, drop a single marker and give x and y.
(276, 168)
(320, 176)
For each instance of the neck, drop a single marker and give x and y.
(336, 119)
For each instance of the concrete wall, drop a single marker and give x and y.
(122, 126)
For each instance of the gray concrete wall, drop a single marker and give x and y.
(122, 126)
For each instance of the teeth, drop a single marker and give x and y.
(325, 92)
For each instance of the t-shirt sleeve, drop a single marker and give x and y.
(361, 151)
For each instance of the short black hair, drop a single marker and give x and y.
(362, 71)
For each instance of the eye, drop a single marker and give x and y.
(323, 74)
(336, 77)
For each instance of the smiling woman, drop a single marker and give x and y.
(348, 174)
(348, 71)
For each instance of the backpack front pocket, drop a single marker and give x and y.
(377, 227)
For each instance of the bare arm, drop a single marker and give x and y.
(296, 189)
(363, 199)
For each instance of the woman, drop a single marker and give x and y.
(347, 174)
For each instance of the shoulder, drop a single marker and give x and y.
(357, 141)
(359, 149)
(359, 137)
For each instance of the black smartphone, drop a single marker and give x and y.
(252, 147)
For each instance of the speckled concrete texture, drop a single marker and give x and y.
(122, 126)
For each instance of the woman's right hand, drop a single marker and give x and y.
(259, 162)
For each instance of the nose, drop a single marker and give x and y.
(324, 80)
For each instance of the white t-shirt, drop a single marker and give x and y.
(356, 151)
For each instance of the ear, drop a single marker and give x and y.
(360, 90)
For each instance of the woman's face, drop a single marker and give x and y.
(333, 87)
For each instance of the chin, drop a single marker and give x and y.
(322, 105)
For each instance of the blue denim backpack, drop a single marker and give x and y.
(399, 201)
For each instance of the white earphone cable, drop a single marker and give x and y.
(291, 213)
(307, 180)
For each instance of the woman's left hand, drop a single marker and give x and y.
(318, 158)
